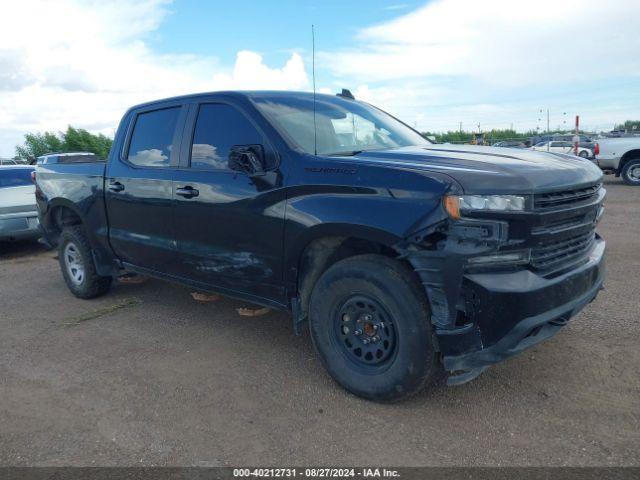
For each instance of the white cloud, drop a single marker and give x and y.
(250, 73)
(149, 157)
(14, 73)
(500, 42)
(84, 62)
(497, 62)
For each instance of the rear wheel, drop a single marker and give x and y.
(583, 154)
(371, 326)
(631, 172)
(76, 263)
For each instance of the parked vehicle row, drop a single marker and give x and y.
(562, 146)
(556, 144)
(619, 156)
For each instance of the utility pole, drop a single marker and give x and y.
(548, 130)
(576, 137)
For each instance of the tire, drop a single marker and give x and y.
(583, 154)
(76, 263)
(631, 172)
(379, 301)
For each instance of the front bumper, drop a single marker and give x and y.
(507, 312)
(16, 227)
(524, 309)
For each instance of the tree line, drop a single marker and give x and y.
(629, 125)
(71, 140)
(497, 135)
(494, 135)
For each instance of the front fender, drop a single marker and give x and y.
(335, 197)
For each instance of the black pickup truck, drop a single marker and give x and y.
(405, 258)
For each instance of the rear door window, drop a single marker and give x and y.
(152, 138)
(15, 177)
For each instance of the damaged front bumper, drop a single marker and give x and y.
(483, 318)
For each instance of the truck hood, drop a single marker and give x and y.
(490, 169)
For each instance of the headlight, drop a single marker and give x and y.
(455, 203)
(512, 258)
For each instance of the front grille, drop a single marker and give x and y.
(551, 200)
(553, 254)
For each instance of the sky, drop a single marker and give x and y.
(437, 64)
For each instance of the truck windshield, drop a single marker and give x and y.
(343, 127)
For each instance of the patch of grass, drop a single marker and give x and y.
(124, 303)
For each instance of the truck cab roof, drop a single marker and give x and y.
(243, 94)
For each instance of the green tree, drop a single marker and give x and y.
(36, 144)
(73, 140)
(491, 136)
(80, 140)
(629, 125)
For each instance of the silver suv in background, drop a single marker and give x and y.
(18, 213)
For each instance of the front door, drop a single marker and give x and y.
(229, 229)
(138, 190)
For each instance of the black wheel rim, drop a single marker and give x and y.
(365, 332)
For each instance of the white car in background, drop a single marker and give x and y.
(18, 212)
(562, 146)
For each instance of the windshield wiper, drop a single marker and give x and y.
(348, 153)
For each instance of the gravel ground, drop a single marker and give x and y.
(148, 376)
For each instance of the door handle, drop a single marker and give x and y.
(187, 192)
(116, 187)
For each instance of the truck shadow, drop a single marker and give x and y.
(22, 248)
(288, 356)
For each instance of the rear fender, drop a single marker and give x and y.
(56, 217)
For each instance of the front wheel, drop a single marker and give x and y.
(370, 324)
(583, 154)
(631, 172)
(76, 263)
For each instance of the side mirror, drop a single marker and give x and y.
(247, 159)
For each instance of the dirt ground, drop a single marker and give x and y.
(148, 376)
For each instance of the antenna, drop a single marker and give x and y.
(313, 75)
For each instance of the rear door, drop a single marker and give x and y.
(230, 231)
(138, 188)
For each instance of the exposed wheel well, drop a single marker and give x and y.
(62, 217)
(630, 155)
(323, 252)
